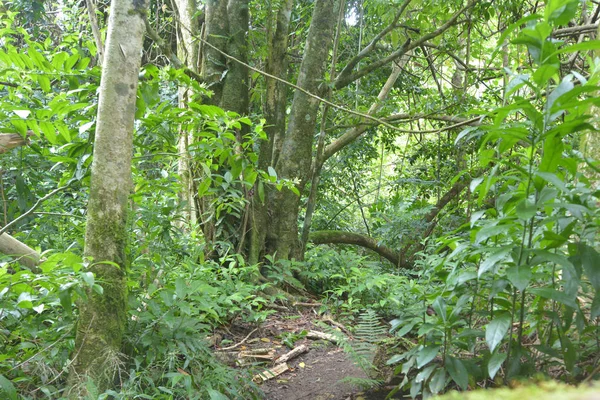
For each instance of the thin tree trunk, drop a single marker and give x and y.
(102, 317)
(188, 53)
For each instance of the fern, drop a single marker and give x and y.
(369, 332)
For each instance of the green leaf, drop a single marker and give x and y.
(98, 289)
(426, 354)
(595, 308)
(553, 294)
(438, 381)
(88, 278)
(495, 363)
(583, 46)
(8, 388)
(180, 288)
(493, 258)
(25, 300)
(439, 306)
(458, 372)
(496, 330)
(525, 209)
(553, 179)
(65, 300)
(424, 374)
(272, 173)
(560, 12)
(590, 261)
(214, 395)
(519, 276)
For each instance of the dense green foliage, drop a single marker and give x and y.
(505, 275)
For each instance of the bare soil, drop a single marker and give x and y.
(325, 372)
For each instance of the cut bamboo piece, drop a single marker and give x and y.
(270, 373)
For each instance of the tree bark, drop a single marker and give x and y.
(188, 52)
(274, 111)
(294, 162)
(9, 141)
(102, 317)
(22, 253)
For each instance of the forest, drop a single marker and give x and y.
(310, 199)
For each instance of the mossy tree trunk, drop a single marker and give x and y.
(102, 317)
(295, 158)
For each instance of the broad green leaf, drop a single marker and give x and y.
(583, 46)
(525, 209)
(457, 371)
(490, 260)
(214, 395)
(553, 179)
(553, 294)
(491, 230)
(65, 300)
(495, 363)
(590, 261)
(595, 308)
(426, 354)
(180, 288)
(519, 276)
(424, 374)
(88, 278)
(439, 306)
(438, 381)
(496, 330)
(8, 388)
(560, 12)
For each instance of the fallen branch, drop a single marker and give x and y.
(293, 353)
(337, 324)
(340, 237)
(23, 254)
(9, 141)
(240, 343)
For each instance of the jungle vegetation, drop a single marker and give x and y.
(169, 167)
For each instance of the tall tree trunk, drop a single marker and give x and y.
(102, 317)
(274, 111)
(295, 159)
(188, 52)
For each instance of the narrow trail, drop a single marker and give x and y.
(322, 372)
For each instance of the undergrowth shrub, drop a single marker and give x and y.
(516, 289)
(352, 283)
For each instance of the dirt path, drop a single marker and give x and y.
(324, 372)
